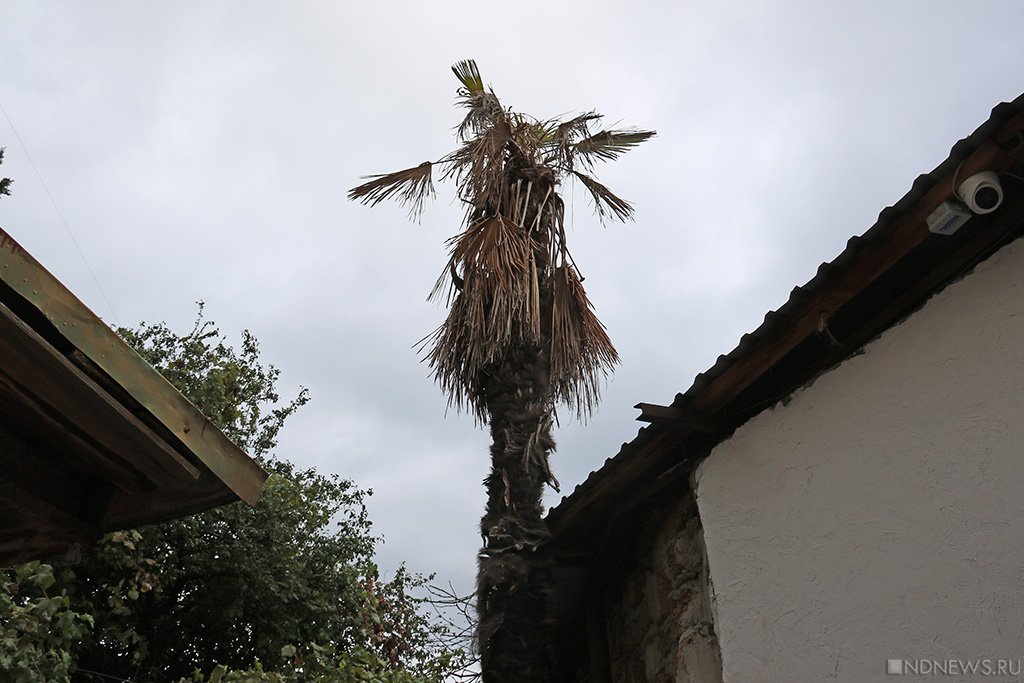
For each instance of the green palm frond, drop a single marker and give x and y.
(469, 75)
(410, 187)
(609, 145)
(606, 202)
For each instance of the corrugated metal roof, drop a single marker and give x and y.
(996, 144)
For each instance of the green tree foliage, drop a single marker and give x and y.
(285, 591)
(37, 626)
(5, 183)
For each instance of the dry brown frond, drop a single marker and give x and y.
(561, 141)
(496, 308)
(496, 137)
(495, 246)
(477, 167)
(576, 126)
(484, 110)
(410, 187)
(609, 144)
(606, 202)
(581, 353)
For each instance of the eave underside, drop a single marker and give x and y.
(80, 453)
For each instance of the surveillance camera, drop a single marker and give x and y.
(981, 192)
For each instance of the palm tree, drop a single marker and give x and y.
(520, 337)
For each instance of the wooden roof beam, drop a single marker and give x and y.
(63, 389)
(680, 418)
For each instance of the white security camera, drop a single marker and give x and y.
(981, 192)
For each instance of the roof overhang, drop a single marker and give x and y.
(92, 438)
(879, 279)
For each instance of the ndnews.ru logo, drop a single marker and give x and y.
(953, 667)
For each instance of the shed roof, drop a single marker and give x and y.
(92, 438)
(881, 277)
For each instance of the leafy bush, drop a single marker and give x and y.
(282, 592)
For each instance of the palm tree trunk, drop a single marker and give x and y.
(512, 634)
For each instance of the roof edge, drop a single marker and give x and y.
(997, 144)
(86, 332)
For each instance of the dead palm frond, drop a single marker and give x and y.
(494, 246)
(477, 165)
(495, 306)
(609, 145)
(606, 202)
(564, 137)
(410, 186)
(575, 127)
(582, 355)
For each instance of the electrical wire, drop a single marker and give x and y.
(60, 215)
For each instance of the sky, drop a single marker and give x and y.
(203, 151)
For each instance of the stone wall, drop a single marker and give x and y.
(660, 624)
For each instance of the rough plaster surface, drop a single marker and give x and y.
(879, 514)
(660, 626)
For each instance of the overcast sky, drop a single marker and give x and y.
(203, 150)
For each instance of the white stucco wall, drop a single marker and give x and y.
(880, 513)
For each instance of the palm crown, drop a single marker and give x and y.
(510, 280)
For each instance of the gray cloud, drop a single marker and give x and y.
(203, 150)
